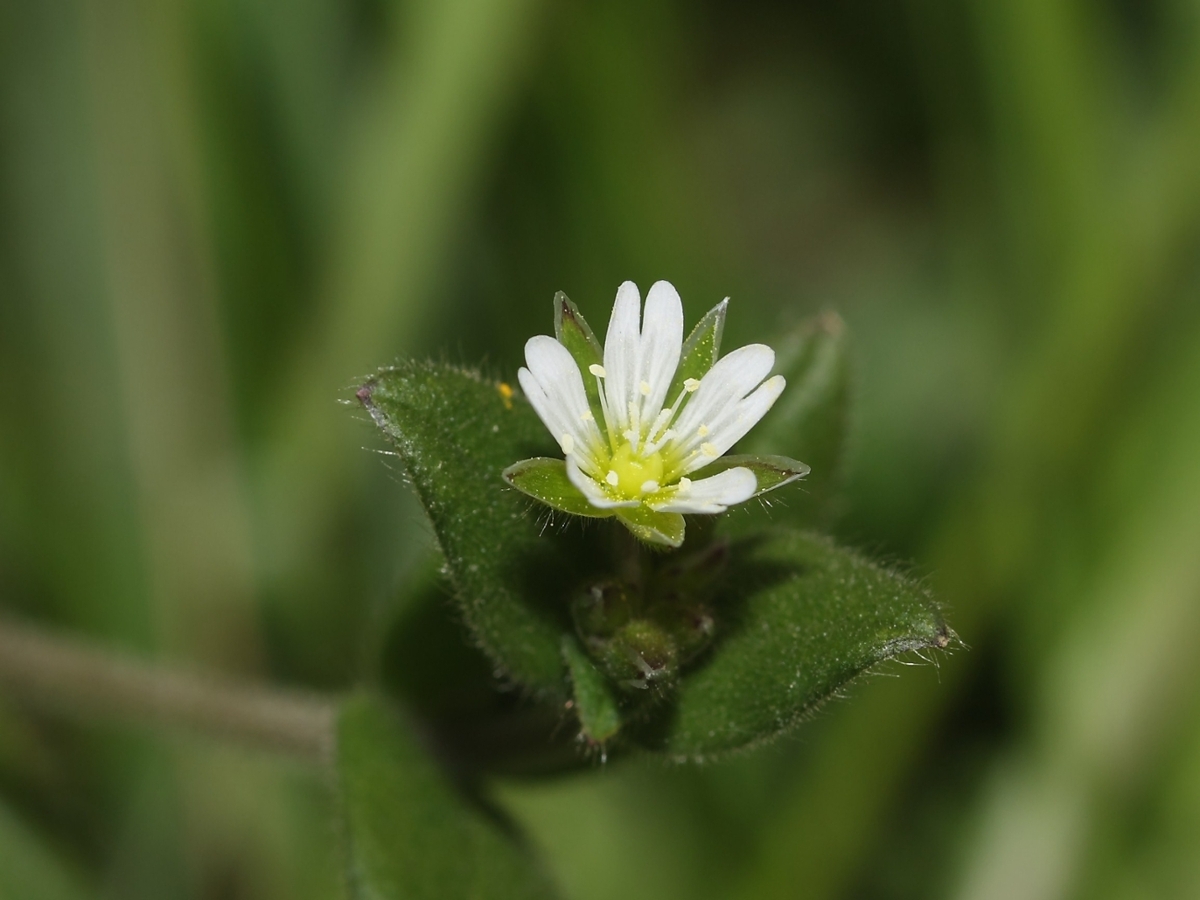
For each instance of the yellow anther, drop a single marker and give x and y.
(506, 394)
(709, 450)
(586, 416)
(690, 385)
(702, 431)
(597, 370)
(612, 478)
(568, 443)
(644, 387)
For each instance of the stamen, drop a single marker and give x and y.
(702, 431)
(657, 445)
(568, 443)
(586, 416)
(611, 477)
(709, 450)
(644, 387)
(598, 371)
(690, 385)
(667, 416)
(649, 487)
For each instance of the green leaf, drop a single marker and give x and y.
(701, 350)
(455, 433)
(574, 333)
(663, 529)
(546, 480)
(771, 471)
(408, 834)
(594, 701)
(798, 617)
(809, 422)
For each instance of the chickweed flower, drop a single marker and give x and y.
(644, 423)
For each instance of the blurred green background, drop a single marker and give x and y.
(216, 216)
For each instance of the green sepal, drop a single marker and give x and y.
(771, 471)
(659, 528)
(701, 349)
(546, 481)
(574, 333)
(594, 702)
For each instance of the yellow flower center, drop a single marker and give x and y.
(628, 473)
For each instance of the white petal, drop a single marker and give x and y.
(714, 494)
(621, 356)
(661, 345)
(554, 387)
(594, 493)
(731, 425)
(714, 407)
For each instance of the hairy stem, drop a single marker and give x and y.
(74, 677)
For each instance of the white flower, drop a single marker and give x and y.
(634, 445)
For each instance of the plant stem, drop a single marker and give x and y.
(72, 676)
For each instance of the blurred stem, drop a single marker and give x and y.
(78, 678)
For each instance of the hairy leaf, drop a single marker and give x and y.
(409, 835)
(797, 618)
(455, 432)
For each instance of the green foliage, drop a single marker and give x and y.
(409, 834)
(794, 616)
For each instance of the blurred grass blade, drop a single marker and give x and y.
(30, 869)
(409, 834)
(800, 618)
(410, 164)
